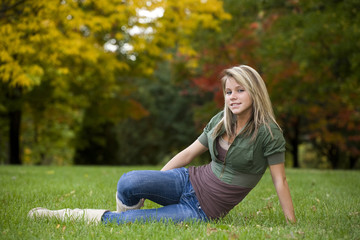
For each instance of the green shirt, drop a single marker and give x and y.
(246, 160)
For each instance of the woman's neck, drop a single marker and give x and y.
(240, 124)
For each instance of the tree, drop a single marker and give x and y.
(168, 127)
(56, 42)
(62, 46)
(157, 42)
(317, 81)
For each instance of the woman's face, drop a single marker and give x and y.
(237, 99)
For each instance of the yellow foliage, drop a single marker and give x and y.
(21, 80)
(187, 50)
(27, 155)
(182, 19)
(52, 34)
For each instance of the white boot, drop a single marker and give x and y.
(120, 207)
(89, 215)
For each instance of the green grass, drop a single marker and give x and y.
(327, 205)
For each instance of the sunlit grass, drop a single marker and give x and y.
(327, 206)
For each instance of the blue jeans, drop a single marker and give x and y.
(171, 188)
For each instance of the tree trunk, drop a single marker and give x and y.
(295, 153)
(334, 156)
(14, 136)
(295, 142)
(14, 96)
(353, 161)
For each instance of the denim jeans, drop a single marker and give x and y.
(171, 189)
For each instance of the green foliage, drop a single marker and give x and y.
(167, 128)
(326, 207)
(306, 53)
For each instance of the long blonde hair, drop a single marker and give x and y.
(262, 109)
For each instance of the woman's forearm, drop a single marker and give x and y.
(186, 156)
(286, 203)
(283, 191)
(179, 160)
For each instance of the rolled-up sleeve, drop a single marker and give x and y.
(276, 158)
(203, 139)
(274, 146)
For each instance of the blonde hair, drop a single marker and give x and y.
(262, 109)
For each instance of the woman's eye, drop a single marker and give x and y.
(228, 93)
(241, 90)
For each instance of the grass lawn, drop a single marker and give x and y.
(327, 205)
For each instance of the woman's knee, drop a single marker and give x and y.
(127, 183)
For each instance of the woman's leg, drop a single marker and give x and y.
(176, 213)
(162, 187)
(172, 189)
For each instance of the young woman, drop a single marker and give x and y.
(243, 140)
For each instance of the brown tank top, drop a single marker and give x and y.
(216, 198)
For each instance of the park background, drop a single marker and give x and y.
(118, 82)
(132, 82)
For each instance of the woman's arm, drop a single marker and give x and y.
(283, 191)
(186, 156)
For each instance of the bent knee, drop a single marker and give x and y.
(127, 183)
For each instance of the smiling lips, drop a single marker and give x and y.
(235, 104)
